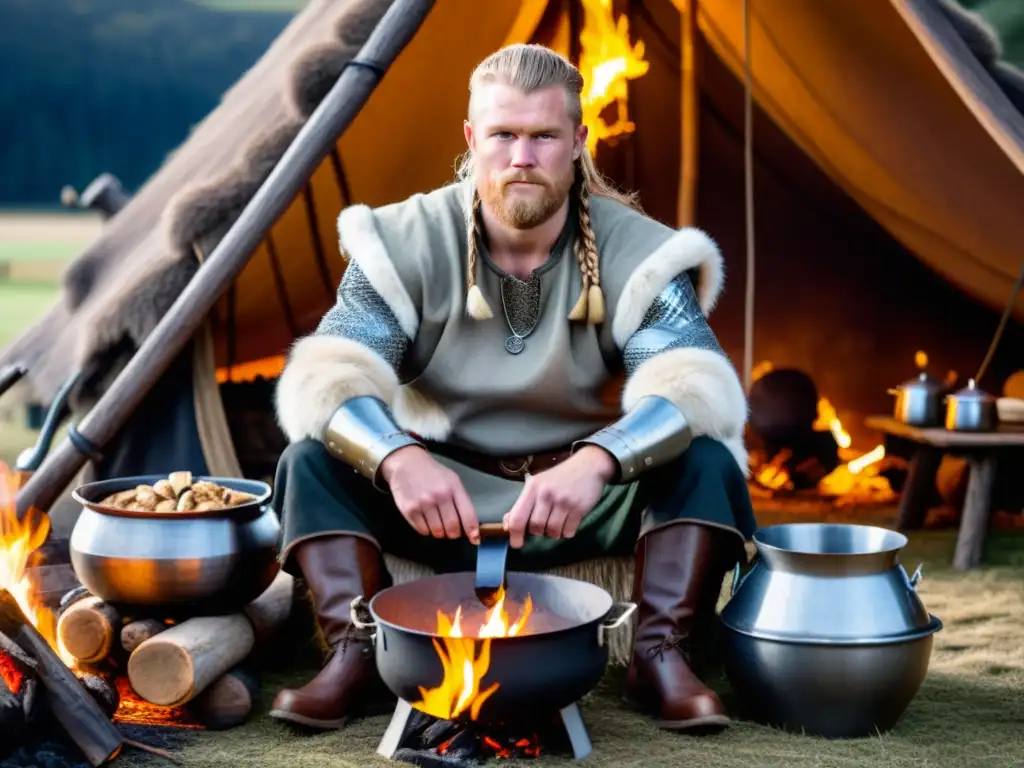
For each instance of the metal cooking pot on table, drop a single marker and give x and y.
(919, 401)
(971, 410)
(826, 633)
(194, 562)
(559, 657)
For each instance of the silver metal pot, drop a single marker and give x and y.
(919, 401)
(210, 562)
(826, 633)
(971, 410)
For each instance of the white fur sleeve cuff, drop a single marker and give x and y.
(701, 383)
(322, 372)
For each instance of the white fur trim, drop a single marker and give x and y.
(359, 239)
(323, 372)
(415, 412)
(738, 449)
(703, 385)
(686, 249)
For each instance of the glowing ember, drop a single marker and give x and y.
(19, 539)
(607, 61)
(9, 674)
(132, 709)
(465, 661)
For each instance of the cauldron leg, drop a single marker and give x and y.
(576, 730)
(396, 729)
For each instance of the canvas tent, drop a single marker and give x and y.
(900, 106)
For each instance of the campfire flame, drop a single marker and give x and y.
(465, 661)
(607, 62)
(856, 479)
(19, 540)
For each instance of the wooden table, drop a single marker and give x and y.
(981, 449)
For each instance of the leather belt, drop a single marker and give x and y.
(509, 467)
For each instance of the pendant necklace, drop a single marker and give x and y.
(525, 312)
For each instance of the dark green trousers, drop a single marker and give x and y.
(316, 494)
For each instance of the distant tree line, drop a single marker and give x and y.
(111, 85)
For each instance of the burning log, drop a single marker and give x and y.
(229, 701)
(72, 706)
(177, 665)
(13, 711)
(135, 633)
(88, 628)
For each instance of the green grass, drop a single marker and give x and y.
(38, 251)
(21, 305)
(969, 711)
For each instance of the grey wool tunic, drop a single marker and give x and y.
(451, 378)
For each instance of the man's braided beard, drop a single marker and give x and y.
(521, 213)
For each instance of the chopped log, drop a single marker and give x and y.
(88, 628)
(135, 633)
(229, 701)
(177, 665)
(103, 692)
(268, 612)
(52, 582)
(174, 667)
(72, 706)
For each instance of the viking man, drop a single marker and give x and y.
(522, 346)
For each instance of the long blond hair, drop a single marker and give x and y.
(530, 68)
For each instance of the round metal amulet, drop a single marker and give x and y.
(514, 345)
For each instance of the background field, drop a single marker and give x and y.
(34, 250)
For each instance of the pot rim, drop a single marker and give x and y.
(552, 578)
(761, 544)
(103, 488)
(934, 625)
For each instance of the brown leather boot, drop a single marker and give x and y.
(675, 572)
(337, 569)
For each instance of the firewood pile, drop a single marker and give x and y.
(193, 673)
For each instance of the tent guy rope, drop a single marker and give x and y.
(748, 181)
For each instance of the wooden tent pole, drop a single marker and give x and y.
(690, 171)
(330, 120)
(748, 175)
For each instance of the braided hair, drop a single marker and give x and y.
(532, 67)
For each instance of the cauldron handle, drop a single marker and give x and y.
(737, 579)
(357, 606)
(913, 581)
(625, 610)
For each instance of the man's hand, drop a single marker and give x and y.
(555, 501)
(430, 496)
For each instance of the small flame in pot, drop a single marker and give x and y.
(465, 661)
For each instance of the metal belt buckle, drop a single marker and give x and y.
(519, 471)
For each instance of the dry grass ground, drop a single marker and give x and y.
(969, 712)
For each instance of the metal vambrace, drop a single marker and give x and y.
(652, 433)
(362, 433)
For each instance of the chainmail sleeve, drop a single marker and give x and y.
(654, 431)
(360, 314)
(674, 320)
(363, 431)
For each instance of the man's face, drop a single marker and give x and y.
(524, 147)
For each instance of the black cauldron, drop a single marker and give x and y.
(560, 656)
